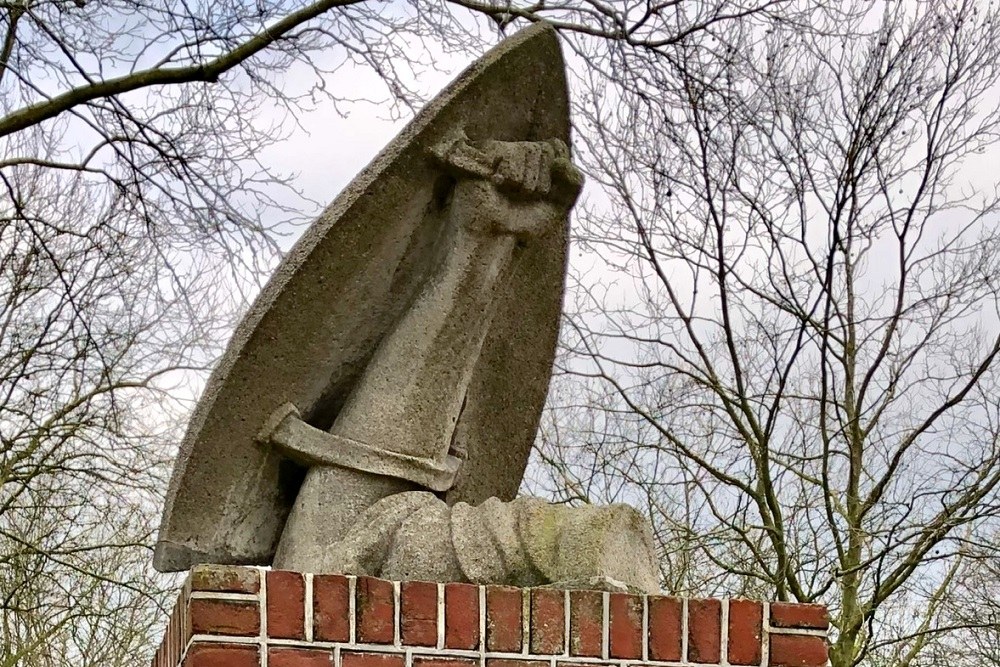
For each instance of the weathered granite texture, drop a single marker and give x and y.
(402, 411)
(403, 348)
(311, 333)
(525, 542)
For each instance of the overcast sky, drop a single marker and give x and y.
(329, 150)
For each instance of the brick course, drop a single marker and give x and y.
(746, 619)
(548, 623)
(224, 617)
(789, 615)
(666, 628)
(461, 616)
(504, 605)
(286, 594)
(418, 602)
(299, 657)
(331, 608)
(586, 623)
(376, 607)
(625, 626)
(250, 617)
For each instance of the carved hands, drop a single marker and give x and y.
(521, 188)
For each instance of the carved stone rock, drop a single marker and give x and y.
(403, 348)
(525, 542)
(310, 334)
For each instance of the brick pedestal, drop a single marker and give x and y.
(250, 617)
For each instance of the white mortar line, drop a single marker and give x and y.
(605, 622)
(765, 634)
(809, 632)
(263, 617)
(234, 597)
(185, 622)
(352, 608)
(645, 628)
(724, 631)
(525, 620)
(184, 650)
(308, 604)
(228, 639)
(483, 654)
(684, 630)
(482, 620)
(397, 617)
(566, 627)
(440, 616)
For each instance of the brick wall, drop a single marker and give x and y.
(250, 617)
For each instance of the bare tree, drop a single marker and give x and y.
(804, 391)
(966, 631)
(136, 218)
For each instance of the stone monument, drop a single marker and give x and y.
(374, 411)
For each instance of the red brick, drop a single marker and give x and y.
(178, 637)
(704, 631)
(331, 608)
(349, 659)
(376, 611)
(586, 623)
(174, 634)
(797, 651)
(547, 624)
(503, 618)
(418, 613)
(791, 615)
(286, 595)
(165, 652)
(746, 619)
(504, 662)
(224, 617)
(429, 661)
(665, 628)
(461, 616)
(625, 626)
(225, 579)
(298, 657)
(222, 655)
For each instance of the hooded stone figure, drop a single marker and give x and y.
(390, 377)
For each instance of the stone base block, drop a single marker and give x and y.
(253, 617)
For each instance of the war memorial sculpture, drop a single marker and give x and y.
(374, 411)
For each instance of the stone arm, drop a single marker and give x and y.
(518, 188)
(395, 429)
